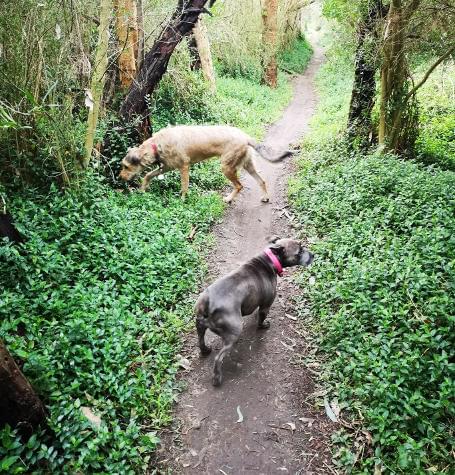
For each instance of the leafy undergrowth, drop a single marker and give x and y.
(96, 294)
(296, 58)
(383, 297)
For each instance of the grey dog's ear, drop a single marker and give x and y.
(272, 239)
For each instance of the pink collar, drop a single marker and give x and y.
(275, 261)
(154, 148)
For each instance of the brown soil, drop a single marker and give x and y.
(282, 430)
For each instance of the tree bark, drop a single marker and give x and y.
(155, 63)
(7, 228)
(19, 405)
(195, 64)
(98, 78)
(127, 33)
(364, 87)
(203, 47)
(140, 34)
(269, 18)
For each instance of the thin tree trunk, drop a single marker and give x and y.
(269, 18)
(364, 87)
(140, 34)
(126, 25)
(19, 404)
(393, 69)
(195, 63)
(98, 77)
(155, 63)
(203, 46)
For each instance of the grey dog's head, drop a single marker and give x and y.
(290, 252)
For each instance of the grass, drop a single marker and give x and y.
(382, 303)
(92, 305)
(295, 59)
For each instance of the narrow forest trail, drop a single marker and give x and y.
(261, 376)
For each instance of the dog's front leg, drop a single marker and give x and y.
(185, 179)
(147, 178)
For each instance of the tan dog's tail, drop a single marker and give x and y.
(268, 153)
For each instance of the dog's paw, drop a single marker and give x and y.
(216, 380)
(264, 325)
(206, 350)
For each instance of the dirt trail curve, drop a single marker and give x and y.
(260, 376)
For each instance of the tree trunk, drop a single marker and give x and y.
(140, 34)
(97, 84)
(7, 228)
(269, 18)
(195, 64)
(19, 405)
(392, 134)
(203, 47)
(127, 33)
(155, 63)
(364, 87)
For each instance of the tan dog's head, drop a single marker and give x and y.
(134, 162)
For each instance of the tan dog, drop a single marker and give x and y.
(180, 146)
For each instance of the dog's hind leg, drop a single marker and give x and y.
(263, 312)
(231, 174)
(248, 165)
(230, 335)
(185, 179)
(201, 328)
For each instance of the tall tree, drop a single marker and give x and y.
(365, 68)
(204, 53)
(134, 106)
(97, 83)
(127, 33)
(269, 18)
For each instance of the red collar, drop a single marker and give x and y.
(275, 261)
(155, 149)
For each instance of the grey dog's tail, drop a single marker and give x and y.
(269, 154)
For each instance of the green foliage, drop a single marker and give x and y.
(296, 58)
(436, 139)
(384, 297)
(98, 291)
(382, 303)
(183, 98)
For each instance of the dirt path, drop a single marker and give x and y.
(281, 432)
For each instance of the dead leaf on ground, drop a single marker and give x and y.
(329, 411)
(307, 420)
(93, 418)
(291, 425)
(240, 419)
(183, 362)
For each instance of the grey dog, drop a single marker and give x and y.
(253, 286)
